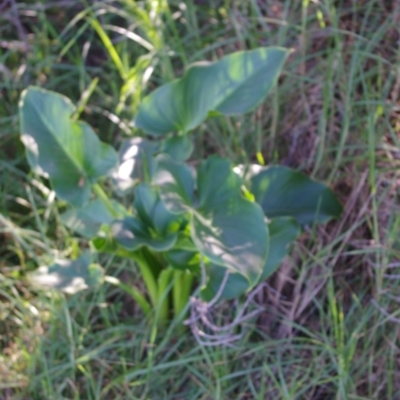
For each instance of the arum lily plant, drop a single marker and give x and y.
(233, 225)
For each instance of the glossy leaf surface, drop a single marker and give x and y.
(137, 162)
(176, 183)
(235, 84)
(225, 227)
(284, 192)
(68, 152)
(282, 231)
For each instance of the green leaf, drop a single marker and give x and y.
(235, 84)
(132, 234)
(225, 227)
(283, 231)
(145, 203)
(136, 162)
(105, 244)
(153, 212)
(87, 221)
(68, 152)
(235, 286)
(183, 259)
(154, 226)
(283, 192)
(179, 148)
(184, 240)
(69, 276)
(184, 255)
(176, 184)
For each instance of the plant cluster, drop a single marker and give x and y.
(229, 225)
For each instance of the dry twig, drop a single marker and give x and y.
(202, 325)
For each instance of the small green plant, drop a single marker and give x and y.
(230, 226)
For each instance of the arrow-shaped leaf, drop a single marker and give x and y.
(284, 192)
(235, 84)
(68, 152)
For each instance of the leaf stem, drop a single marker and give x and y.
(148, 277)
(181, 290)
(164, 286)
(105, 199)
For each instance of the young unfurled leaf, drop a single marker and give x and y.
(235, 84)
(68, 152)
(284, 192)
(153, 212)
(154, 226)
(132, 234)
